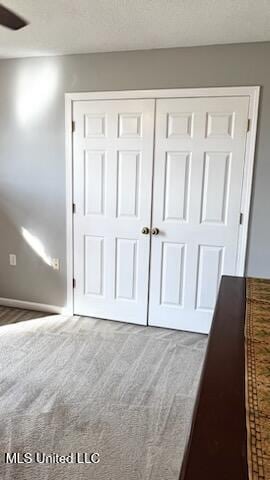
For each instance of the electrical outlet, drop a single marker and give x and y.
(56, 263)
(12, 260)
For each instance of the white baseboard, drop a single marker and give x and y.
(39, 307)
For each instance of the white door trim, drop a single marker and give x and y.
(251, 92)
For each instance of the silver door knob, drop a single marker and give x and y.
(145, 231)
(155, 231)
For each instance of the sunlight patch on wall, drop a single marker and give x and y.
(36, 90)
(37, 246)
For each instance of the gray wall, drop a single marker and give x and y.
(32, 160)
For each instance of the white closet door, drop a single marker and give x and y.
(113, 158)
(198, 173)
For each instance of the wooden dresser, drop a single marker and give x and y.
(217, 446)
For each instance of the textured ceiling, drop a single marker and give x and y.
(81, 26)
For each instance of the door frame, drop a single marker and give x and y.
(253, 92)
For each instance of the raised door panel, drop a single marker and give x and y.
(94, 182)
(128, 172)
(210, 266)
(180, 125)
(95, 125)
(172, 274)
(94, 265)
(176, 185)
(130, 125)
(215, 190)
(126, 269)
(220, 125)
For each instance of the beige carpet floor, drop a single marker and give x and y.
(76, 384)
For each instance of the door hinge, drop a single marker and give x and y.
(248, 124)
(73, 126)
(241, 218)
(74, 283)
(73, 208)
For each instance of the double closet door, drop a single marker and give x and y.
(157, 188)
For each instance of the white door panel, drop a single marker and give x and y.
(113, 158)
(198, 172)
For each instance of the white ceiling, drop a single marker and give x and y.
(81, 26)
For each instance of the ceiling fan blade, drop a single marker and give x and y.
(11, 20)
